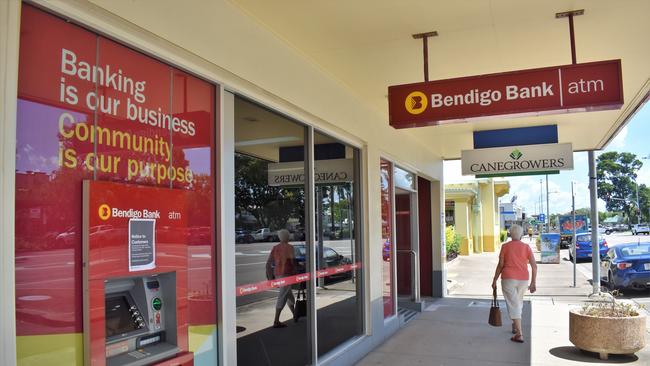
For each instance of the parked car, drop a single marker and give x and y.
(264, 234)
(331, 258)
(627, 266)
(601, 230)
(296, 235)
(583, 246)
(243, 237)
(640, 229)
(617, 227)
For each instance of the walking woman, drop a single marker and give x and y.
(513, 268)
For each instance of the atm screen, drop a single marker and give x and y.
(118, 317)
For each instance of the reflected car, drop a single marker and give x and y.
(331, 258)
(243, 237)
(627, 266)
(640, 229)
(386, 251)
(583, 246)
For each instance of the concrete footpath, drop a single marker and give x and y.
(454, 332)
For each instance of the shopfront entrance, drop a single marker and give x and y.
(407, 261)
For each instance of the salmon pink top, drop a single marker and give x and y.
(514, 256)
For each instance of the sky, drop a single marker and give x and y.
(631, 138)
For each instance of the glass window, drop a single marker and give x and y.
(91, 108)
(635, 251)
(271, 257)
(387, 250)
(404, 179)
(339, 299)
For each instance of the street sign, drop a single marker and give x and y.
(542, 217)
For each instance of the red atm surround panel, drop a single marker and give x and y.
(106, 253)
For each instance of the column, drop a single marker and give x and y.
(489, 213)
(477, 225)
(461, 218)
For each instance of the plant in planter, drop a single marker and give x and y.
(608, 327)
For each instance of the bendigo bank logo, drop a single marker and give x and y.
(416, 102)
(104, 212)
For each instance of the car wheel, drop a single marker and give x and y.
(610, 282)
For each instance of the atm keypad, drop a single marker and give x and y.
(138, 320)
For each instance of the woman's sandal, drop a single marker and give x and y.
(517, 338)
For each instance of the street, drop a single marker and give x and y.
(584, 267)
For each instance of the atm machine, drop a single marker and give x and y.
(140, 319)
(135, 314)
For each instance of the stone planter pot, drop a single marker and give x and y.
(605, 335)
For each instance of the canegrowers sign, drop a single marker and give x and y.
(517, 160)
(325, 171)
(552, 90)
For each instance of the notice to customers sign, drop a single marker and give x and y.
(142, 244)
(551, 90)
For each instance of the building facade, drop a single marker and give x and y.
(473, 209)
(219, 148)
(173, 175)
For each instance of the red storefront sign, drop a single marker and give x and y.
(92, 108)
(551, 90)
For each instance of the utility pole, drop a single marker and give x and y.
(548, 210)
(541, 202)
(593, 195)
(573, 242)
(638, 212)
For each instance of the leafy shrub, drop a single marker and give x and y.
(503, 235)
(452, 241)
(611, 308)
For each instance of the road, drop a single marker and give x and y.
(584, 267)
(250, 264)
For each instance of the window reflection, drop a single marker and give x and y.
(338, 260)
(271, 257)
(387, 236)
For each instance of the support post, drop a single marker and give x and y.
(425, 50)
(570, 15)
(595, 249)
(573, 40)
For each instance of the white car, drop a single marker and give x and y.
(601, 230)
(640, 229)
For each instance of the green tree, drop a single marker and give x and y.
(617, 174)
(271, 206)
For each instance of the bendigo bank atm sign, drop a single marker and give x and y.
(559, 89)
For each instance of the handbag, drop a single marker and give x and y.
(300, 307)
(495, 311)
